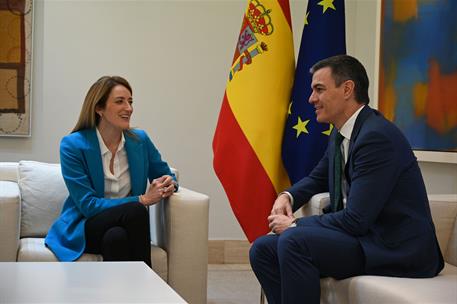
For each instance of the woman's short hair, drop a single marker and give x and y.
(96, 97)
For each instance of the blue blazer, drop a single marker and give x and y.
(82, 170)
(387, 207)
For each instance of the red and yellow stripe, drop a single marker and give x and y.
(248, 138)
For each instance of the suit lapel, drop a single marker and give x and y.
(363, 115)
(94, 162)
(331, 154)
(136, 157)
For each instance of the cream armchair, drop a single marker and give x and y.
(384, 290)
(31, 197)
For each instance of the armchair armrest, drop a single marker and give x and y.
(184, 235)
(316, 204)
(10, 208)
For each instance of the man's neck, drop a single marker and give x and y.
(350, 110)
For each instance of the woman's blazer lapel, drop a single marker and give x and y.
(94, 162)
(137, 164)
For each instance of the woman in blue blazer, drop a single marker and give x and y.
(106, 166)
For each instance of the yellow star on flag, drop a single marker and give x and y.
(327, 4)
(301, 126)
(328, 131)
(306, 18)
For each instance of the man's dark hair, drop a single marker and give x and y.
(345, 67)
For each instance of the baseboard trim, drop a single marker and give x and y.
(228, 251)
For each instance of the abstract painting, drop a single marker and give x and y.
(418, 71)
(15, 66)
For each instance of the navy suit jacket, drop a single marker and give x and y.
(82, 171)
(387, 208)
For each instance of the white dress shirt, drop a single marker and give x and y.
(346, 131)
(117, 185)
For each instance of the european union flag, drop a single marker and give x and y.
(305, 140)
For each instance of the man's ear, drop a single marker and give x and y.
(349, 87)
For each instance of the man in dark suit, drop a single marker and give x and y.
(378, 221)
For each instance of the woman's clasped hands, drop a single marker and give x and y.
(159, 188)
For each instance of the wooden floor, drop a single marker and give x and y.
(232, 284)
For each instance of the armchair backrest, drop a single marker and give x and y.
(8, 171)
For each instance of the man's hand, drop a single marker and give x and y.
(279, 223)
(282, 206)
(281, 214)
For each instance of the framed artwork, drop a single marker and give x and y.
(15, 67)
(418, 72)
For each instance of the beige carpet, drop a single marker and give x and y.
(232, 284)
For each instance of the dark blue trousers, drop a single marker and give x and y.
(289, 266)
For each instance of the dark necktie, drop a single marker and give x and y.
(337, 163)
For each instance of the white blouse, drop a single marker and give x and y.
(117, 185)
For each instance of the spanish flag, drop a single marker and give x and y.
(248, 137)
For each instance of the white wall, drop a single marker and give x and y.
(176, 55)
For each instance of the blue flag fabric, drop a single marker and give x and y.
(305, 140)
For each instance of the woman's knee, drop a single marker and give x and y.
(115, 245)
(115, 236)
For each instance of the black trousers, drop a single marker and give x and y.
(120, 233)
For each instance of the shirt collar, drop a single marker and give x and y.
(346, 129)
(103, 148)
